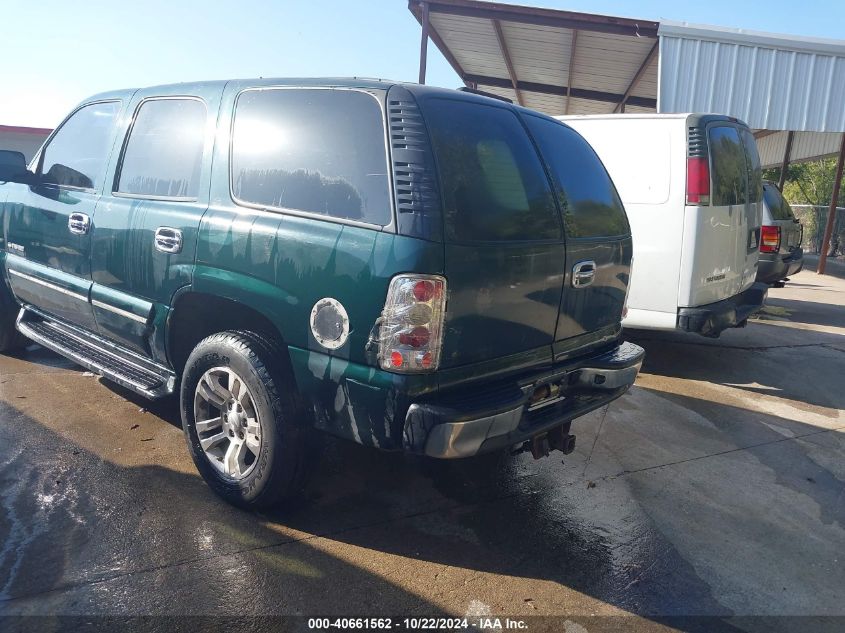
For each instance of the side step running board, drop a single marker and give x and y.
(98, 354)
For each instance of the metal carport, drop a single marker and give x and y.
(789, 89)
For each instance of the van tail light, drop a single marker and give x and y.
(411, 333)
(698, 180)
(769, 239)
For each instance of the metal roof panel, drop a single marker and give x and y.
(770, 81)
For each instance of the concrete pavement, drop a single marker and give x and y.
(716, 487)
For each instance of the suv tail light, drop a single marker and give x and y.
(769, 239)
(698, 180)
(411, 331)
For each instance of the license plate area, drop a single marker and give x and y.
(546, 392)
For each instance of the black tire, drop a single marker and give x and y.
(10, 339)
(281, 464)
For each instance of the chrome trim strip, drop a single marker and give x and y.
(120, 311)
(47, 284)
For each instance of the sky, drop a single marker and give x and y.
(56, 53)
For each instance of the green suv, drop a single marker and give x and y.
(411, 268)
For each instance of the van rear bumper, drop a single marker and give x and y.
(713, 318)
(469, 421)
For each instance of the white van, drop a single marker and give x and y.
(692, 187)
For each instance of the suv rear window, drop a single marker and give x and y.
(728, 167)
(591, 206)
(494, 186)
(779, 207)
(317, 151)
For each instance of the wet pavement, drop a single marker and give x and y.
(715, 487)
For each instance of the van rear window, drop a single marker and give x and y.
(494, 186)
(728, 167)
(755, 170)
(590, 203)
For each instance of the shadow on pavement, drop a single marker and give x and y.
(809, 312)
(377, 532)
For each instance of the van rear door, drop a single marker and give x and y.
(721, 236)
(753, 209)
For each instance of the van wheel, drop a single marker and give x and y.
(10, 338)
(239, 414)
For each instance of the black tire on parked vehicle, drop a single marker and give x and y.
(277, 472)
(10, 338)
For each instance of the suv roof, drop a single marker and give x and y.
(325, 82)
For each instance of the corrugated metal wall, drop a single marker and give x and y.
(769, 82)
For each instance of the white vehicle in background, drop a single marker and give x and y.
(692, 187)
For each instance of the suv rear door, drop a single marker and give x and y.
(504, 249)
(598, 238)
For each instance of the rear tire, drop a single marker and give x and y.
(250, 443)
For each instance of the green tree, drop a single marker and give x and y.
(807, 183)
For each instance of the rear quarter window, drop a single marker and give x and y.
(591, 206)
(315, 151)
(493, 183)
(727, 166)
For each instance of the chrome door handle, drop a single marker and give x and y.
(583, 274)
(168, 240)
(78, 223)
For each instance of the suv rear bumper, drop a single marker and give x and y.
(473, 421)
(772, 267)
(713, 318)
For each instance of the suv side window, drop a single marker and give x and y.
(727, 166)
(311, 150)
(589, 201)
(493, 183)
(76, 155)
(163, 154)
(778, 206)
